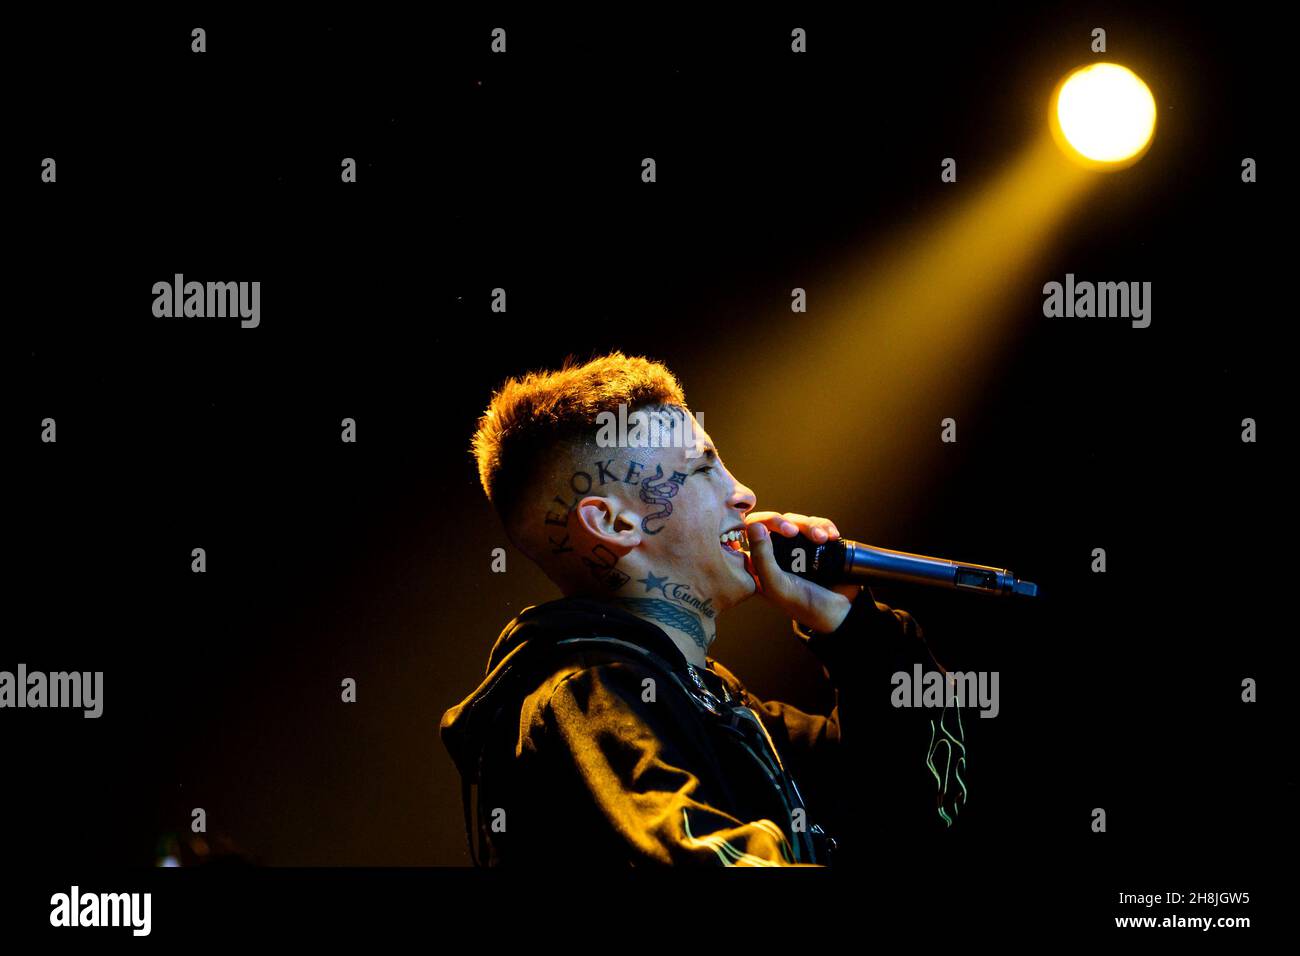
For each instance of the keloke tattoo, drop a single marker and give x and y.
(581, 483)
(665, 612)
(654, 490)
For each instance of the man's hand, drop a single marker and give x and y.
(815, 607)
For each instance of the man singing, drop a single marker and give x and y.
(603, 734)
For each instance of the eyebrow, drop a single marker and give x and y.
(709, 454)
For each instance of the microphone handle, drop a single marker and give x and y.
(836, 562)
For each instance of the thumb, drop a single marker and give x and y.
(768, 573)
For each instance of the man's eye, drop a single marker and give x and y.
(705, 468)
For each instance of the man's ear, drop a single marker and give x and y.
(604, 521)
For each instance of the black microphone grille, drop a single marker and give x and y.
(821, 563)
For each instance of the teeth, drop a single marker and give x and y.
(738, 537)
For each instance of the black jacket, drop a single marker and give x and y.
(592, 742)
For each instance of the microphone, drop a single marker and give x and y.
(844, 561)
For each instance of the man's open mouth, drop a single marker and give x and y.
(735, 541)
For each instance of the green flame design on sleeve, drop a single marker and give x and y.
(941, 736)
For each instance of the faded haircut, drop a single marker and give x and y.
(533, 418)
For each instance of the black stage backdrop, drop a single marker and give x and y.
(328, 560)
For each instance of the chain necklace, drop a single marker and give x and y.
(704, 688)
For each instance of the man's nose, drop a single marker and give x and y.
(742, 499)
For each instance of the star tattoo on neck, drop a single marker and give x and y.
(652, 583)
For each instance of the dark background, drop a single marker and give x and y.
(371, 560)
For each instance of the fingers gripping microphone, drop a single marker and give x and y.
(843, 561)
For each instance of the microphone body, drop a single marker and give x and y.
(842, 561)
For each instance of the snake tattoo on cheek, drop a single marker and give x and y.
(655, 490)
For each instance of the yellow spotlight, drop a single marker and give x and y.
(1103, 116)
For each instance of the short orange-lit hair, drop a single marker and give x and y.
(531, 417)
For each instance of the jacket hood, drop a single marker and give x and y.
(514, 667)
